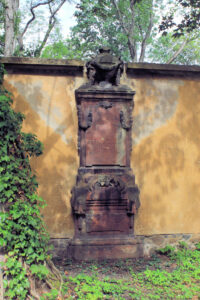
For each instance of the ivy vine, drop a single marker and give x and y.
(23, 237)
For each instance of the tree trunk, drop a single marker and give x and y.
(132, 51)
(147, 35)
(52, 22)
(11, 7)
(174, 56)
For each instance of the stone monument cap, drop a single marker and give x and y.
(104, 67)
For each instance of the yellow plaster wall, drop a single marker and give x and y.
(49, 106)
(165, 156)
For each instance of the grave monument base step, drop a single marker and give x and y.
(98, 248)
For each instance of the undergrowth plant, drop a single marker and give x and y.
(23, 237)
(174, 274)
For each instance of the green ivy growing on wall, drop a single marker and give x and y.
(23, 237)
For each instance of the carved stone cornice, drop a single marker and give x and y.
(41, 66)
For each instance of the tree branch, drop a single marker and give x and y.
(132, 48)
(52, 21)
(120, 16)
(132, 25)
(147, 35)
(33, 14)
(128, 31)
(185, 42)
(174, 56)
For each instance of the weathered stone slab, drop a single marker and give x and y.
(102, 248)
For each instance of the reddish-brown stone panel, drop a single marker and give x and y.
(105, 197)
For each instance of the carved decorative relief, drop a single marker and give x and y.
(126, 120)
(84, 119)
(104, 68)
(105, 104)
(105, 198)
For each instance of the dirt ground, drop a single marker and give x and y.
(118, 268)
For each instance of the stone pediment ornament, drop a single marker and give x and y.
(104, 68)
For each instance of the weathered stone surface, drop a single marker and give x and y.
(100, 200)
(162, 70)
(112, 247)
(157, 240)
(104, 68)
(105, 248)
(105, 197)
(60, 247)
(104, 128)
(194, 238)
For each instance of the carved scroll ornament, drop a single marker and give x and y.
(84, 119)
(126, 120)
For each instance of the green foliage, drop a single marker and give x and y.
(51, 295)
(62, 50)
(190, 13)
(98, 24)
(183, 245)
(90, 287)
(22, 231)
(30, 17)
(131, 34)
(198, 246)
(17, 283)
(167, 250)
(163, 277)
(39, 271)
(164, 47)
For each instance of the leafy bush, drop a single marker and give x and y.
(22, 232)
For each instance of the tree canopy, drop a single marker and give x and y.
(125, 26)
(20, 19)
(137, 30)
(189, 21)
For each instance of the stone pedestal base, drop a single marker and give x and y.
(99, 248)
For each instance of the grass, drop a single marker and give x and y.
(170, 274)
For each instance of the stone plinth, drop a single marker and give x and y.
(98, 248)
(105, 197)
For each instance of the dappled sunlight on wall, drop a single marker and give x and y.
(49, 106)
(165, 156)
(167, 167)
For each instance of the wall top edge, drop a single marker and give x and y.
(162, 70)
(164, 67)
(26, 65)
(41, 61)
(42, 66)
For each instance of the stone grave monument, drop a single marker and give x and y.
(105, 197)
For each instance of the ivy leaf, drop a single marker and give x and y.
(2, 242)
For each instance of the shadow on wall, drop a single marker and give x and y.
(167, 167)
(49, 106)
(165, 157)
